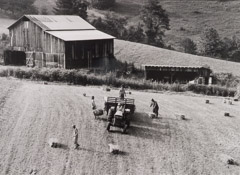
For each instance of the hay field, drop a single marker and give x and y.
(31, 113)
(144, 54)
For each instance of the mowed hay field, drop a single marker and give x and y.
(31, 113)
(141, 54)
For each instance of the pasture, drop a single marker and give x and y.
(33, 112)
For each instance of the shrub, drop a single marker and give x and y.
(82, 78)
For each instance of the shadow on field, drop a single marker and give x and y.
(147, 128)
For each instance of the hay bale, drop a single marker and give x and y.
(207, 101)
(152, 115)
(84, 94)
(114, 149)
(45, 83)
(235, 99)
(226, 114)
(183, 117)
(108, 89)
(98, 112)
(53, 142)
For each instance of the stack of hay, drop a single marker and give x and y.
(53, 142)
(114, 149)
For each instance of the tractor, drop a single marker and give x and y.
(119, 112)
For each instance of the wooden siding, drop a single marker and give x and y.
(175, 74)
(27, 36)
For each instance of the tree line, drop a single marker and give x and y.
(212, 45)
(17, 8)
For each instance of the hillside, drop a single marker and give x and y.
(188, 18)
(32, 113)
(144, 54)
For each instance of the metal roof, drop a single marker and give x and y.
(171, 66)
(57, 22)
(80, 35)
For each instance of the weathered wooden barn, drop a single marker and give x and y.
(180, 74)
(61, 41)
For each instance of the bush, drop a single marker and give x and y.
(80, 77)
(103, 4)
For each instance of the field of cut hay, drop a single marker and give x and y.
(144, 54)
(32, 113)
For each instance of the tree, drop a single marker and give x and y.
(189, 46)
(18, 8)
(112, 24)
(156, 22)
(103, 4)
(134, 34)
(71, 7)
(211, 43)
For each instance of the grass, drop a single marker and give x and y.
(140, 54)
(80, 77)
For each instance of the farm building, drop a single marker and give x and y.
(181, 74)
(60, 41)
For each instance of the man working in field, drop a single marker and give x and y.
(122, 92)
(154, 104)
(75, 137)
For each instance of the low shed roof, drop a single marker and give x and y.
(80, 35)
(172, 66)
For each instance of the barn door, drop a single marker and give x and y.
(30, 59)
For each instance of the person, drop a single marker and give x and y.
(122, 92)
(93, 103)
(75, 137)
(155, 106)
(120, 107)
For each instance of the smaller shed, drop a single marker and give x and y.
(180, 74)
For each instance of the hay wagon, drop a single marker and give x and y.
(119, 112)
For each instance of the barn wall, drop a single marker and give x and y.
(88, 54)
(42, 49)
(26, 36)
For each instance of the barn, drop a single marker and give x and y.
(178, 74)
(60, 41)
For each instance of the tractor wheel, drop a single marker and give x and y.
(124, 129)
(108, 127)
(128, 124)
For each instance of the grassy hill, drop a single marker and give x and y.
(188, 18)
(144, 54)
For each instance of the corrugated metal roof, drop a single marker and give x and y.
(58, 22)
(171, 66)
(80, 35)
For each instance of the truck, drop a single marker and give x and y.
(119, 112)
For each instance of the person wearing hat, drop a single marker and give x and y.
(75, 137)
(155, 106)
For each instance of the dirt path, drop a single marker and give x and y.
(31, 113)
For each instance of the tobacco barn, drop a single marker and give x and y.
(179, 74)
(60, 41)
